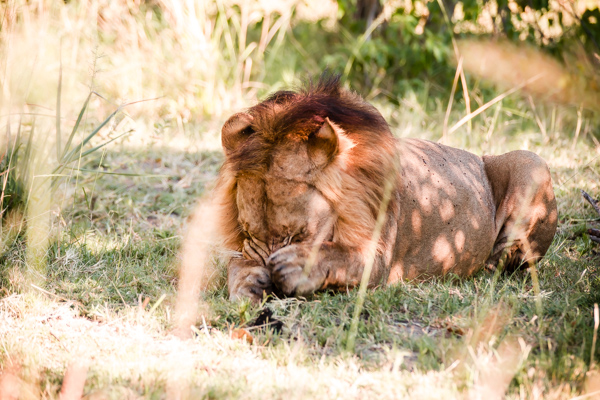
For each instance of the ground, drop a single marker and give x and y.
(107, 301)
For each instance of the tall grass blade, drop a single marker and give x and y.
(76, 127)
(58, 98)
(90, 151)
(70, 157)
(27, 156)
(381, 18)
(451, 100)
(370, 260)
(96, 171)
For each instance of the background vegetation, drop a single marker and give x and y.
(110, 115)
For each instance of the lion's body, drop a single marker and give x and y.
(305, 178)
(445, 221)
(450, 216)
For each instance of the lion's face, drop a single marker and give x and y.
(302, 169)
(280, 206)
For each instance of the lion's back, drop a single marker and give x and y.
(447, 211)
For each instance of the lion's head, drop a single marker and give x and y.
(301, 166)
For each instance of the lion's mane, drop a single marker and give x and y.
(353, 182)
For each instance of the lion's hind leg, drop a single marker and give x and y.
(526, 215)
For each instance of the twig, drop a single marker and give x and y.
(594, 235)
(47, 292)
(59, 342)
(590, 200)
(74, 302)
(596, 323)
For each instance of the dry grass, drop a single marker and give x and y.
(134, 350)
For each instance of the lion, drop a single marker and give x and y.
(314, 188)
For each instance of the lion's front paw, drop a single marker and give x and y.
(291, 272)
(253, 282)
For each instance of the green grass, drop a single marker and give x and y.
(118, 255)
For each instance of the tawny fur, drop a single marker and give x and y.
(305, 177)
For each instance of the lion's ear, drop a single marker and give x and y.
(235, 131)
(323, 145)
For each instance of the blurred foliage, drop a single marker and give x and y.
(413, 43)
(381, 47)
(410, 49)
(204, 60)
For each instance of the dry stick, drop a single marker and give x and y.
(580, 168)
(451, 100)
(60, 342)
(370, 260)
(596, 322)
(490, 103)
(47, 292)
(590, 200)
(594, 235)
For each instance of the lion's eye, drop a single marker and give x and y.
(247, 131)
(297, 238)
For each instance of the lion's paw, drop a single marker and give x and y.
(290, 272)
(252, 283)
